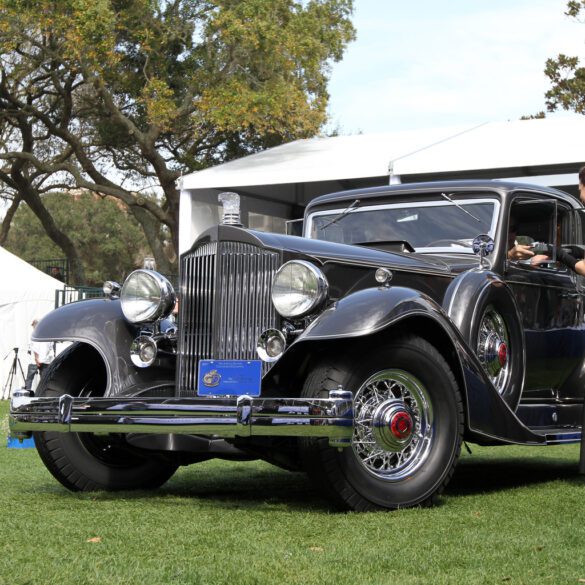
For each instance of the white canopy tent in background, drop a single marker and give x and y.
(278, 183)
(25, 294)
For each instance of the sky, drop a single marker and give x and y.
(432, 64)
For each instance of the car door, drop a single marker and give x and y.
(549, 298)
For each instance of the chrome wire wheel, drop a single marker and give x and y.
(493, 348)
(393, 425)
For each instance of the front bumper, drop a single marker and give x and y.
(330, 418)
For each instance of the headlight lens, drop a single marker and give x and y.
(147, 296)
(298, 288)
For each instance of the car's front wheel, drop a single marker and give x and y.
(408, 425)
(84, 461)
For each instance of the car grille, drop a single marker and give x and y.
(224, 305)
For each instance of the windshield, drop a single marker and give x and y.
(427, 226)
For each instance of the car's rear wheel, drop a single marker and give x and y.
(408, 425)
(84, 461)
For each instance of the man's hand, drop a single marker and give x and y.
(520, 252)
(539, 259)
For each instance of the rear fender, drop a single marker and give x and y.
(381, 311)
(100, 323)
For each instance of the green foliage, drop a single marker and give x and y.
(268, 61)
(511, 515)
(566, 76)
(116, 95)
(109, 240)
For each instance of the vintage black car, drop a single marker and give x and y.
(364, 353)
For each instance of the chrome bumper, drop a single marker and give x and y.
(244, 416)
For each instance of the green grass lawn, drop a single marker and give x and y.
(510, 515)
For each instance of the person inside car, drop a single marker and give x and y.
(516, 250)
(575, 259)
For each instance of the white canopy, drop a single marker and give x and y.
(25, 294)
(495, 146)
(281, 181)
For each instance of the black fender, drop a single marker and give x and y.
(465, 301)
(370, 311)
(100, 323)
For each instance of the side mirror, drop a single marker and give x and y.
(483, 246)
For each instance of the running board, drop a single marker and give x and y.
(558, 436)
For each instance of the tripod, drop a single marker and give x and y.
(12, 374)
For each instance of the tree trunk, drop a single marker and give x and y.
(151, 228)
(32, 198)
(7, 221)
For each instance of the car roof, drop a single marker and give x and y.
(495, 186)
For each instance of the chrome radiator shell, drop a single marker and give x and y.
(224, 305)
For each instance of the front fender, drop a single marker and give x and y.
(368, 311)
(100, 323)
(377, 310)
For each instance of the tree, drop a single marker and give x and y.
(110, 242)
(122, 96)
(566, 76)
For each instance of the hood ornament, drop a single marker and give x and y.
(231, 208)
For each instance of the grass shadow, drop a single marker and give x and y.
(483, 476)
(236, 485)
(231, 486)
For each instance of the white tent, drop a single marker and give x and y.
(280, 182)
(25, 294)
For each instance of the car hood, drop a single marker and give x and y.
(346, 253)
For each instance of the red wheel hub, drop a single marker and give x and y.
(401, 425)
(503, 354)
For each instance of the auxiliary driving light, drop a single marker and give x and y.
(111, 289)
(271, 345)
(143, 351)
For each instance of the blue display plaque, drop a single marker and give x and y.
(229, 377)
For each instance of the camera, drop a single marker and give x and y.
(540, 248)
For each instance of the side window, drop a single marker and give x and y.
(572, 235)
(574, 228)
(532, 224)
(568, 223)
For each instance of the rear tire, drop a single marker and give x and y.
(408, 427)
(84, 461)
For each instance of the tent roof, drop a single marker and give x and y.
(19, 275)
(25, 294)
(497, 145)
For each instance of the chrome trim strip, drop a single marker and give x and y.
(563, 438)
(243, 416)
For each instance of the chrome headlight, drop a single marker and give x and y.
(146, 296)
(298, 288)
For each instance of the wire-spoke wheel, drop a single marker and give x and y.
(493, 348)
(408, 427)
(392, 449)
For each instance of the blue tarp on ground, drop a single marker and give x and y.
(14, 443)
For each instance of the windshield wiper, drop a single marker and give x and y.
(341, 215)
(460, 207)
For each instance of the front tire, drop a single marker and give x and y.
(84, 461)
(408, 426)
